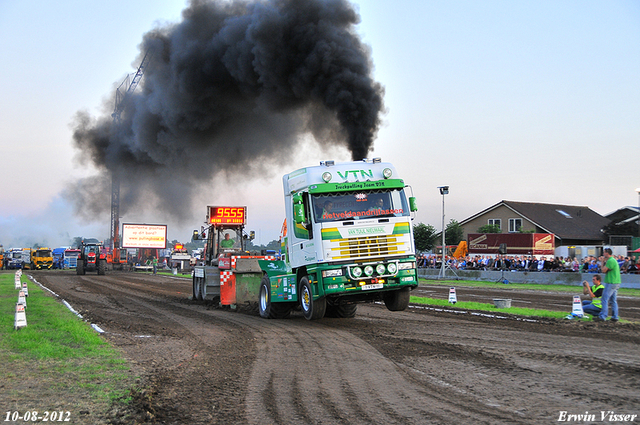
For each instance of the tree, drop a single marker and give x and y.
(490, 228)
(77, 241)
(424, 236)
(453, 233)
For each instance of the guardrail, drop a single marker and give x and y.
(542, 278)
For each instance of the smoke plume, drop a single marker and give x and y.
(231, 89)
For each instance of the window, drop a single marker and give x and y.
(515, 224)
(564, 214)
(495, 222)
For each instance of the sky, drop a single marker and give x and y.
(533, 101)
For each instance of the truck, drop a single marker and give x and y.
(43, 259)
(71, 258)
(58, 258)
(92, 257)
(13, 258)
(347, 239)
(28, 258)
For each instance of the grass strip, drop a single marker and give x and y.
(631, 292)
(56, 362)
(486, 307)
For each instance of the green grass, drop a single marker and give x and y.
(521, 286)
(57, 352)
(467, 305)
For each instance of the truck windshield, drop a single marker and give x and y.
(43, 253)
(359, 205)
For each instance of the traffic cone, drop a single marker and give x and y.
(21, 317)
(25, 289)
(577, 307)
(452, 295)
(22, 299)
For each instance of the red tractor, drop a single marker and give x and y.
(92, 257)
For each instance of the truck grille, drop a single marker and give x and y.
(367, 247)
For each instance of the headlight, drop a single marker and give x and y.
(406, 266)
(368, 270)
(380, 269)
(326, 176)
(392, 268)
(356, 272)
(332, 273)
(386, 173)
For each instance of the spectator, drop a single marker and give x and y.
(593, 305)
(611, 284)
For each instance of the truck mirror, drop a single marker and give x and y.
(298, 213)
(412, 204)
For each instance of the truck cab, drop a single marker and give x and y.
(349, 240)
(43, 259)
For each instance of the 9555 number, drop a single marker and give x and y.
(35, 416)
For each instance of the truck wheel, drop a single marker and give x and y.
(344, 311)
(268, 310)
(311, 309)
(397, 300)
(80, 268)
(102, 267)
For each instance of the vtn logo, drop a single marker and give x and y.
(363, 173)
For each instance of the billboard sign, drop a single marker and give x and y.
(514, 243)
(144, 236)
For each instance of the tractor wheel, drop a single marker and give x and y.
(311, 309)
(344, 311)
(102, 267)
(397, 300)
(197, 292)
(203, 289)
(80, 267)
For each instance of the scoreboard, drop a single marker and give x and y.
(227, 215)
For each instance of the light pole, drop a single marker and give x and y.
(444, 190)
(638, 190)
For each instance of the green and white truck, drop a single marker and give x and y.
(348, 240)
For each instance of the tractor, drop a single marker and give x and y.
(92, 257)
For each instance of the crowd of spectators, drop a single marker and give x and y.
(529, 263)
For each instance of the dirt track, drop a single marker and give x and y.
(204, 365)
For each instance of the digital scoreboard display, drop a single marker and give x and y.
(228, 215)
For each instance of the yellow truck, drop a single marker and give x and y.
(43, 258)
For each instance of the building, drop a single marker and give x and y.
(571, 225)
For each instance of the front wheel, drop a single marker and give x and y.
(80, 267)
(102, 267)
(397, 300)
(311, 309)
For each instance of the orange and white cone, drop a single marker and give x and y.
(22, 299)
(452, 295)
(577, 306)
(20, 318)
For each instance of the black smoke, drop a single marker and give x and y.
(232, 89)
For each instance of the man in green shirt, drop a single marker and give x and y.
(227, 242)
(611, 285)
